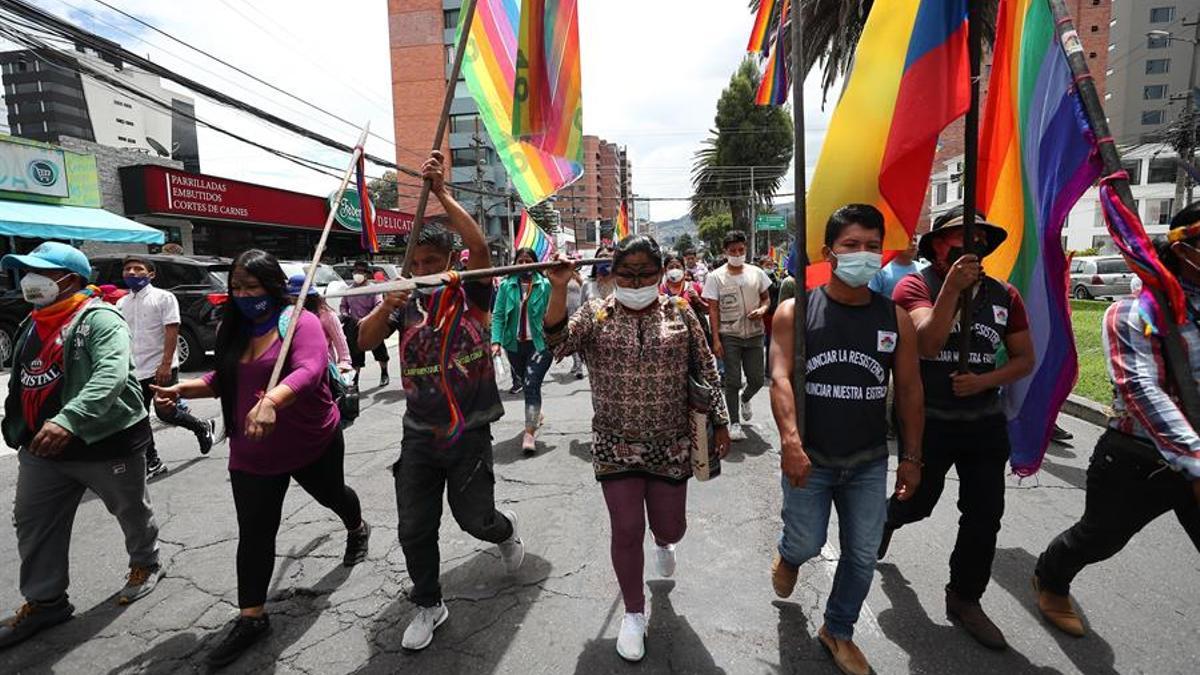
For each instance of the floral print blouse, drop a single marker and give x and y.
(638, 366)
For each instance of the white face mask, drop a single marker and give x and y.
(636, 298)
(737, 260)
(39, 290)
(674, 275)
(359, 277)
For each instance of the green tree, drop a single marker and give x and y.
(684, 242)
(712, 229)
(745, 135)
(384, 191)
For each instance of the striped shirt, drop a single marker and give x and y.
(1142, 404)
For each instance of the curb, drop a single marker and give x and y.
(1087, 410)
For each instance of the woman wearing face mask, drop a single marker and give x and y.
(600, 285)
(339, 350)
(638, 345)
(517, 329)
(291, 431)
(676, 285)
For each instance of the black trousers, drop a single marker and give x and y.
(177, 416)
(1128, 486)
(978, 451)
(464, 472)
(259, 503)
(358, 358)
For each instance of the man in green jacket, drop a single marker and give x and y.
(74, 411)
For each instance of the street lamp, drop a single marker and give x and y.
(1188, 148)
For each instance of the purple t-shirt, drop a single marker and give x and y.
(304, 429)
(357, 307)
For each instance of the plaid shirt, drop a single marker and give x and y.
(1142, 405)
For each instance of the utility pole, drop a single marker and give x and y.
(478, 146)
(754, 206)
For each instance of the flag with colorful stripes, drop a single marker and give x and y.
(368, 237)
(621, 224)
(773, 88)
(759, 35)
(549, 154)
(529, 235)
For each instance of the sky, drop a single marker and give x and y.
(652, 74)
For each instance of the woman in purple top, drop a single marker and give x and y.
(291, 431)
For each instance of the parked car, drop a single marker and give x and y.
(1100, 277)
(325, 280)
(198, 282)
(390, 271)
(13, 310)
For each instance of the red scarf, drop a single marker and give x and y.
(51, 319)
(41, 377)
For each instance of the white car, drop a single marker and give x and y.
(325, 280)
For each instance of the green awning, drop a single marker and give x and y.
(50, 221)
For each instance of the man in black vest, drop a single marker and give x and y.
(965, 425)
(856, 341)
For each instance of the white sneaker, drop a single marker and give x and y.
(512, 550)
(664, 559)
(736, 433)
(631, 643)
(746, 413)
(419, 633)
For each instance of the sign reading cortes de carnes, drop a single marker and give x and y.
(33, 170)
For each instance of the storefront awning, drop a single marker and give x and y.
(49, 221)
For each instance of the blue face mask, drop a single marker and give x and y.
(603, 269)
(136, 284)
(255, 307)
(858, 268)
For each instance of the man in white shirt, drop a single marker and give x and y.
(153, 317)
(738, 300)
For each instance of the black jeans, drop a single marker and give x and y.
(177, 416)
(259, 503)
(1128, 485)
(358, 358)
(978, 451)
(464, 472)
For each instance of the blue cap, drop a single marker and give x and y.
(51, 255)
(296, 282)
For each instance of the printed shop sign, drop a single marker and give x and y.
(33, 170)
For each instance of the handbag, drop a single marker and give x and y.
(706, 463)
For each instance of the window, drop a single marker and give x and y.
(1150, 117)
(1162, 170)
(1162, 14)
(1159, 211)
(1154, 92)
(1091, 55)
(940, 194)
(1100, 243)
(1158, 66)
(1076, 266)
(1112, 266)
(1095, 29)
(960, 189)
(449, 55)
(1158, 41)
(464, 158)
(451, 18)
(464, 124)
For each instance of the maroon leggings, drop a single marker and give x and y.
(630, 500)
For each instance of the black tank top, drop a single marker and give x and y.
(851, 349)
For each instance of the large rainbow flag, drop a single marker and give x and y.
(773, 88)
(621, 224)
(759, 35)
(910, 80)
(553, 158)
(1037, 157)
(529, 235)
(547, 88)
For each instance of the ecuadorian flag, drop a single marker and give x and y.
(910, 79)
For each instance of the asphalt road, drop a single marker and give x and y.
(561, 611)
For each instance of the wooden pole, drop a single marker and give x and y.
(311, 272)
(969, 178)
(443, 278)
(1175, 350)
(800, 321)
(439, 136)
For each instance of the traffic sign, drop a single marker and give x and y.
(770, 221)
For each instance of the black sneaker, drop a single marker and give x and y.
(245, 632)
(384, 379)
(515, 389)
(1061, 435)
(885, 542)
(208, 436)
(356, 545)
(32, 618)
(154, 468)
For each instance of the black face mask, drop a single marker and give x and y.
(526, 276)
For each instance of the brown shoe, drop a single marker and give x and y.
(1058, 610)
(846, 655)
(970, 615)
(783, 577)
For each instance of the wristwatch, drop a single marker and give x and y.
(915, 460)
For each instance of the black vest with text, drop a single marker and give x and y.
(851, 349)
(988, 329)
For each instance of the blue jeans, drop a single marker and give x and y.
(860, 495)
(531, 366)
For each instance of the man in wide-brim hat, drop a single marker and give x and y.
(965, 425)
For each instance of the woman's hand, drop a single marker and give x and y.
(721, 438)
(165, 398)
(496, 349)
(261, 420)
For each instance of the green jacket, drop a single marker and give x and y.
(506, 313)
(100, 393)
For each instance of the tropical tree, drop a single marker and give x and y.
(742, 163)
(384, 191)
(684, 242)
(712, 229)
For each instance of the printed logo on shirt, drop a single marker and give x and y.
(1001, 314)
(886, 341)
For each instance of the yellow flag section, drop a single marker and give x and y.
(848, 169)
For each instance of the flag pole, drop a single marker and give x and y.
(1177, 361)
(800, 320)
(969, 178)
(311, 272)
(468, 9)
(443, 278)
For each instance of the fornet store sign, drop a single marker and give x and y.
(32, 170)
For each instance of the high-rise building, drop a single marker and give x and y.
(46, 99)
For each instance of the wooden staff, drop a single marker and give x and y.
(1175, 353)
(800, 320)
(316, 260)
(468, 8)
(443, 278)
(969, 178)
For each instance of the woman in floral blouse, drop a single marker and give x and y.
(638, 344)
